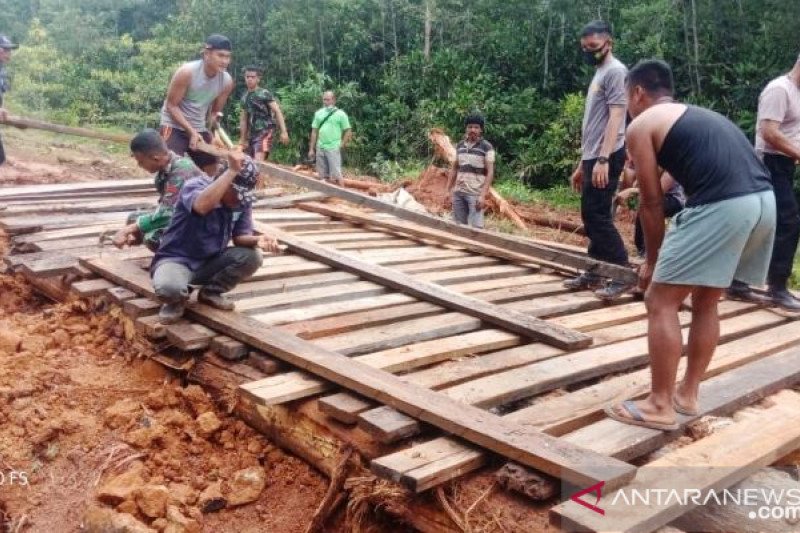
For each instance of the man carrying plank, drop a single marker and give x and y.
(171, 172)
(725, 232)
(197, 92)
(194, 248)
(5, 56)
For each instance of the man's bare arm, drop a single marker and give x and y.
(312, 142)
(276, 110)
(175, 95)
(348, 135)
(770, 131)
(244, 134)
(651, 198)
(219, 103)
(616, 116)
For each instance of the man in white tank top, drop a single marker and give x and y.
(197, 92)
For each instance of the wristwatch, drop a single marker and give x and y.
(602, 160)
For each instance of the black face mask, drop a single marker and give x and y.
(595, 57)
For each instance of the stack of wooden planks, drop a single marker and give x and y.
(432, 352)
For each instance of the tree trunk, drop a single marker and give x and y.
(696, 47)
(426, 51)
(547, 49)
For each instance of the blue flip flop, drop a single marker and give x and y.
(636, 418)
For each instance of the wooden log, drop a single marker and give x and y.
(505, 209)
(531, 448)
(23, 122)
(713, 463)
(513, 321)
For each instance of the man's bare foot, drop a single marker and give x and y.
(685, 401)
(643, 413)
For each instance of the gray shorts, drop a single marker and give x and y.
(709, 245)
(329, 164)
(465, 209)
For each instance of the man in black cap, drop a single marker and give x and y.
(196, 94)
(472, 173)
(194, 248)
(5, 56)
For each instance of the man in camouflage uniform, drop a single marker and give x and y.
(171, 172)
(260, 112)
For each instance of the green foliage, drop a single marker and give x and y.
(551, 157)
(558, 196)
(108, 62)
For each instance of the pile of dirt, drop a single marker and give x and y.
(431, 190)
(95, 434)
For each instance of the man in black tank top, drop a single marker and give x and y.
(725, 231)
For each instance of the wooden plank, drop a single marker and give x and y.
(505, 243)
(120, 294)
(398, 333)
(376, 315)
(504, 318)
(50, 188)
(318, 295)
(151, 327)
(713, 463)
(139, 307)
(311, 226)
(266, 364)
(90, 287)
(229, 349)
(81, 207)
(189, 337)
(82, 231)
(290, 200)
(387, 425)
(343, 406)
(406, 358)
(528, 447)
(480, 288)
(442, 459)
(28, 223)
(54, 263)
(64, 244)
(574, 410)
(294, 283)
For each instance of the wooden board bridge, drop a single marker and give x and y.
(432, 349)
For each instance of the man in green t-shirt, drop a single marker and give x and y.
(330, 132)
(260, 114)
